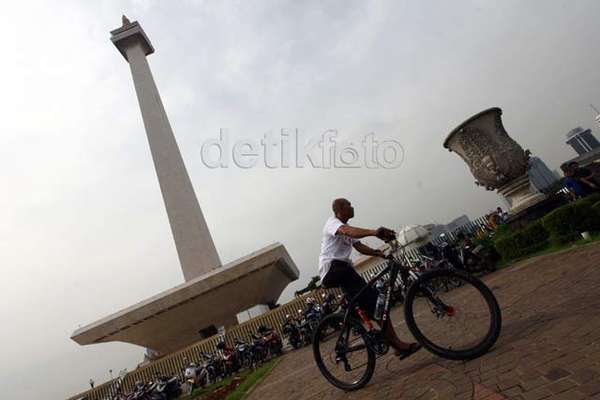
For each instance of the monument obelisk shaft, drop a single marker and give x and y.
(195, 247)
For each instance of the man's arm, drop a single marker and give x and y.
(588, 178)
(359, 233)
(356, 233)
(590, 183)
(587, 173)
(364, 249)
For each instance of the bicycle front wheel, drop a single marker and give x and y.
(461, 324)
(344, 357)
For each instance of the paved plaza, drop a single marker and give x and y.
(549, 347)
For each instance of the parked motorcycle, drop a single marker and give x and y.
(312, 313)
(258, 351)
(214, 366)
(143, 391)
(329, 304)
(243, 353)
(305, 328)
(229, 357)
(271, 340)
(167, 388)
(190, 375)
(292, 332)
(200, 375)
(473, 258)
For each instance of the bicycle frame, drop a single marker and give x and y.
(393, 268)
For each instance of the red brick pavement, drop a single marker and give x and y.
(549, 347)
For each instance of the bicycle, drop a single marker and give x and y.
(423, 299)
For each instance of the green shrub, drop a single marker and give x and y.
(484, 240)
(502, 231)
(523, 242)
(566, 223)
(586, 216)
(560, 226)
(489, 249)
(596, 207)
(590, 200)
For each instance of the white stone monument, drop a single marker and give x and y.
(195, 247)
(211, 296)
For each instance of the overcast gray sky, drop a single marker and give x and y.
(84, 232)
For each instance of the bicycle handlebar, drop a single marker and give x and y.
(393, 247)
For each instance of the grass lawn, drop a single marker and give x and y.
(199, 392)
(249, 380)
(551, 249)
(252, 380)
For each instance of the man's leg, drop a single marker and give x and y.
(352, 283)
(392, 337)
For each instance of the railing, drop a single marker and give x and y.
(174, 363)
(471, 227)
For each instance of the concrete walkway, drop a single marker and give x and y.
(549, 347)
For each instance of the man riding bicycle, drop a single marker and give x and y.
(336, 270)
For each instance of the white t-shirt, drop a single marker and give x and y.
(334, 247)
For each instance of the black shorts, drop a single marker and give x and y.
(341, 274)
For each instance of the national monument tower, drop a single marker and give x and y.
(195, 247)
(212, 294)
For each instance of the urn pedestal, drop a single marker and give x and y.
(496, 161)
(520, 194)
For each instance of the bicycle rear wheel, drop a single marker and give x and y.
(460, 324)
(344, 358)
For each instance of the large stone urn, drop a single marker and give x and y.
(496, 161)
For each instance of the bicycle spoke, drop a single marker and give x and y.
(359, 367)
(347, 361)
(356, 348)
(459, 323)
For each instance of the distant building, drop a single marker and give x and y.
(597, 114)
(557, 174)
(458, 222)
(437, 229)
(582, 140)
(586, 160)
(540, 176)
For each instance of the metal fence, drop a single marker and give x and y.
(472, 227)
(174, 363)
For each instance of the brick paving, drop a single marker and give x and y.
(549, 347)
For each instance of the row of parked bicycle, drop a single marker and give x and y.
(299, 329)
(161, 388)
(228, 360)
(225, 361)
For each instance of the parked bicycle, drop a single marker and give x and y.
(436, 318)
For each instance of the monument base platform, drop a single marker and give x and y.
(178, 317)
